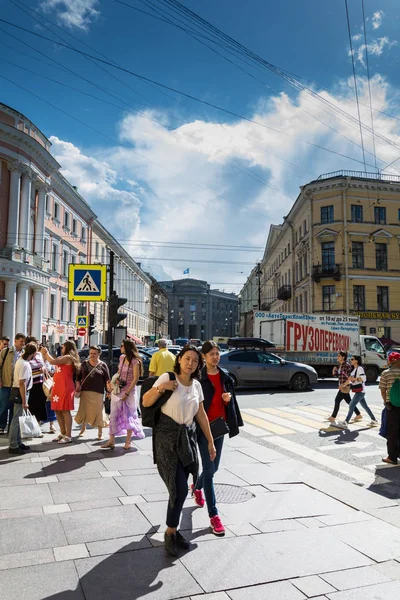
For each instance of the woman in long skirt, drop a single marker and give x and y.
(124, 414)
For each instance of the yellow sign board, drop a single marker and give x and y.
(87, 283)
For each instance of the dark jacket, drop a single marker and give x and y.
(233, 416)
(173, 442)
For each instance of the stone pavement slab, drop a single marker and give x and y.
(132, 575)
(381, 591)
(378, 540)
(25, 496)
(146, 484)
(31, 533)
(94, 503)
(55, 581)
(355, 578)
(26, 559)
(125, 544)
(313, 586)
(81, 491)
(132, 460)
(282, 590)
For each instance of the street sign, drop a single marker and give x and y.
(81, 321)
(87, 282)
(82, 331)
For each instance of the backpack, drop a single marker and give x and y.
(150, 413)
(394, 394)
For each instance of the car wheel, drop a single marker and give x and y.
(372, 374)
(299, 382)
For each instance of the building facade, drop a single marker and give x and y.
(44, 225)
(338, 251)
(198, 312)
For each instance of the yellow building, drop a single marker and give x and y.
(338, 251)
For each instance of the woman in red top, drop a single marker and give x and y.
(63, 392)
(219, 401)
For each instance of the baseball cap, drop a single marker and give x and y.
(394, 356)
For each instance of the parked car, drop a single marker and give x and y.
(257, 367)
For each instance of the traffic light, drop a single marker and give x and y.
(91, 324)
(114, 317)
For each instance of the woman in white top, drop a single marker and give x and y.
(357, 381)
(174, 436)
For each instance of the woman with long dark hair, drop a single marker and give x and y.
(67, 367)
(38, 403)
(357, 381)
(124, 408)
(174, 436)
(219, 403)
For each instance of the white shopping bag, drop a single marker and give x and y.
(29, 426)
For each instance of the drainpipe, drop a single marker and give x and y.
(293, 265)
(310, 254)
(346, 245)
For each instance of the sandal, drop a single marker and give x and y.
(127, 447)
(389, 461)
(65, 440)
(108, 445)
(59, 437)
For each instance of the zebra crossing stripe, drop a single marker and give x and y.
(277, 429)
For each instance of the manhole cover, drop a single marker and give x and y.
(232, 494)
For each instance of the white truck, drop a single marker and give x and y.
(316, 339)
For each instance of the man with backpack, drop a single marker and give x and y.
(8, 358)
(390, 390)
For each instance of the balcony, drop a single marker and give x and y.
(330, 271)
(285, 292)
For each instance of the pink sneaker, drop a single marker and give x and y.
(216, 526)
(197, 495)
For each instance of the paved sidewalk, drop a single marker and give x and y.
(78, 522)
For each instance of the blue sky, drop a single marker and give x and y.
(181, 171)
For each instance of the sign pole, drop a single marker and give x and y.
(110, 329)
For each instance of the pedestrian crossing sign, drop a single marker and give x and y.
(87, 283)
(81, 321)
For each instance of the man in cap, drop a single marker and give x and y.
(390, 390)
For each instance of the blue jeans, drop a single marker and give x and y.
(210, 467)
(359, 397)
(6, 408)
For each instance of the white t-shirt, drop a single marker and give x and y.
(183, 404)
(22, 370)
(360, 373)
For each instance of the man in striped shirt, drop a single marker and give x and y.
(387, 380)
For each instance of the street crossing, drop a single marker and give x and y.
(305, 432)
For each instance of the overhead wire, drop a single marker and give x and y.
(369, 82)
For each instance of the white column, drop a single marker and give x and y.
(39, 233)
(13, 206)
(9, 309)
(22, 308)
(37, 314)
(25, 209)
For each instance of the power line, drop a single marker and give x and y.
(369, 82)
(355, 81)
(185, 94)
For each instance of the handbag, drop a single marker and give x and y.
(29, 426)
(357, 386)
(218, 428)
(78, 392)
(47, 386)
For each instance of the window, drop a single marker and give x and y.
(297, 304)
(297, 272)
(357, 251)
(65, 263)
(385, 332)
(301, 304)
(398, 215)
(66, 220)
(248, 357)
(356, 213)
(97, 250)
(45, 245)
(73, 259)
(268, 359)
(381, 257)
(300, 269)
(305, 265)
(56, 210)
(46, 203)
(181, 303)
(285, 252)
(54, 258)
(328, 297)
(327, 214)
(71, 310)
(83, 236)
(63, 308)
(297, 238)
(359, 297)
(383, 298)
(74, 226)
(52, 306)
(380, 215)
(304, 227)
(328, 256)
(305, 302)
(288, 248)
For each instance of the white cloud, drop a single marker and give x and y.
(77, 14)
(376, 48)
(377, 19)
(200, 183)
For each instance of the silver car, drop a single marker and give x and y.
(261, 368)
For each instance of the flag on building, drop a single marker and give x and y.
(186, 271)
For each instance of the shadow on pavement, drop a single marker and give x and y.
(387, 482)
(344, 436)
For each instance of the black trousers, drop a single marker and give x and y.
(393, 432)
(339, 397)
(181, 482)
